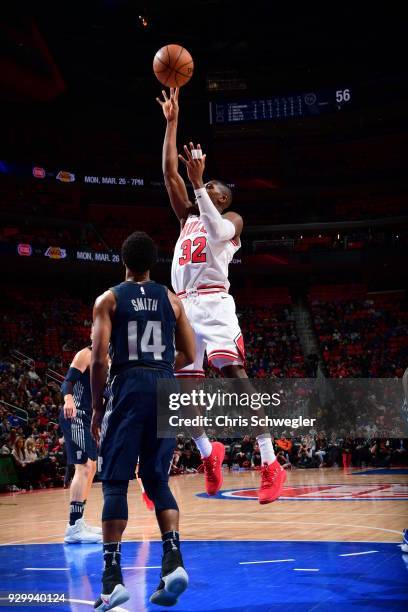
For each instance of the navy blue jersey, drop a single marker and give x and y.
(81, 392)
(143, 327)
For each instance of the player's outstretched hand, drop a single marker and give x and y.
(170, 106)
(195, 164)
(96, 425)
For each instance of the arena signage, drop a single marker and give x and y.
(24, 250)
(98, 257)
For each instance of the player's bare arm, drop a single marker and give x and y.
(80, 362)
(185, 338)
(175, 185)
(102, 322)
(219, 227)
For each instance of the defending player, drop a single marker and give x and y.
(208, 240)
(141, 320)
(75, 421)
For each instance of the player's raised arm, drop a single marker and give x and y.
(102, 322)
(220, 228)
(175, 185)
(185, 338)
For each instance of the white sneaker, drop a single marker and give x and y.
(92, 529)
(404, 546)
(78, 534)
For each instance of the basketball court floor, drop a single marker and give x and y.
(332, 540)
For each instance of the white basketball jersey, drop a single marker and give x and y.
(199, 262)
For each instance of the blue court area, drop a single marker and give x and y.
(384, 471)
(224, 576)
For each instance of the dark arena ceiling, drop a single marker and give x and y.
(76, 74)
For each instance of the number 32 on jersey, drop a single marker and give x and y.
(193, 251)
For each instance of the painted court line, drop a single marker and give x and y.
(366, 552)
(142, 567)
(46, 569)
(305, 569)
(273, 561)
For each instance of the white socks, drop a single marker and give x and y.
(204, 445)
(265, 446)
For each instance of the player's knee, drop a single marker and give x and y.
(87, 468)
(160, 494)
(92, 467)
(115, 505)
(83, 470)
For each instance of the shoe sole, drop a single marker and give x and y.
(221, 475)
(174, 585)
(69, 540)
(269, 501)
(118, 596)
(404, 548)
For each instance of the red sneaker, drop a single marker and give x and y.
(213, 468)
(148, 502)
(273, 478)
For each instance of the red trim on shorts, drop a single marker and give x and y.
(227, 357)
(223, 351)
(188, 375)
(200, 287)
(234, 242)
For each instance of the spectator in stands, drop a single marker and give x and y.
(283, 459)
(247, 447)
(381, 453)
(305, 455)
(320, 450)
(13, 420)
(41, 447)
(347, 450)
(5, 426)
(6, 446)
(256, 458)
(30, 451)
(241, 459)
(191, 458)
(19, 457)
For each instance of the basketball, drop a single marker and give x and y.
(173, 66)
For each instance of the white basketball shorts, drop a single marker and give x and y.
(217, 331)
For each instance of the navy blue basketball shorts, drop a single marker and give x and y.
(79, 443)
(129, 429)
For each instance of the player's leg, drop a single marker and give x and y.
(91, 453)
(192, 374)
(146, 500)
(155, 458)
(114, 522)
(77, 531)
(91, 476)
(118, 455)
(273, 476)
(173, 578)
(226, 352)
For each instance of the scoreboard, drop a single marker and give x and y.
(275, 108)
